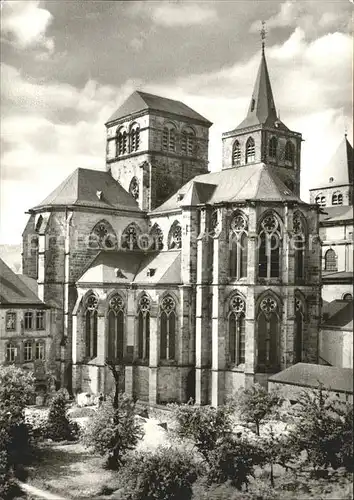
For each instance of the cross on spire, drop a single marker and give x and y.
(263, 33)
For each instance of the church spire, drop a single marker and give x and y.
(262, 107)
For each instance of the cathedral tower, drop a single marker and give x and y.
(154, 146)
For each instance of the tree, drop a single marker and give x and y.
(58, 426)
(256, 404)
(16, 391)
(114, 431)
(324, 428)
(204, 425)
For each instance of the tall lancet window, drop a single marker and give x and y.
(269, 247)
(238, 243)
(289, 152)
(168, 328)
(175, 236)
(273, 144)
(250, 150)
(115, 328)
(237, 329)
(299, 330)
(268, 335)
(144, 327)
(236, 153)
(134, 188)
(299, 241)
(91, 317)
(213, 231)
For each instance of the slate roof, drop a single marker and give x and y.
(133, 267)
(310, 375)
(340, 167)
(139, 101)
(338, 314)
(249, 182)
(262, 110)
(82, 188)
(13, 290)
(336, 214)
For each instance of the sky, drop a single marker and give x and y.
(66, 66)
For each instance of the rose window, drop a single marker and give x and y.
(144, 303)
(168, 305)
(237, 305)
(91, 303)
(116, 303)
(238, 224)
(270, 224)
(268, 305)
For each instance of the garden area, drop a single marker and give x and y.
(255, 447)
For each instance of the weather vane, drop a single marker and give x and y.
(263, 33)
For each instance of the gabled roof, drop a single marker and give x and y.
(340, 168)
(125, 267)
(336, 214)
(262, 109)
(13, 290)
(311, 375)
(91, 188)
(139, 101)
(250, 182)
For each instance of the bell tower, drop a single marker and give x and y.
(262, 136)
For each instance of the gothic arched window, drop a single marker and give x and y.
(320, 200)
(134, 188)
(121, 142)
(115, 327)
(238, 243)
(268, 335)
(130, 237)
(289, 152)
(91, 318)
(168, 328)
(236, 153)
(299, 241)
(134, 137)
(337, 199)
(269, 247)
(188, 142)
(157, 237)
(237, 329)
(330, 260)
(348, 297)
(273, 144)
(102, 236)
(169, 137)
(144, 327)
(250, 150)
(299, 330)
(175, 236)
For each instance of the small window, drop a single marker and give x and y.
(11, 352)
(320, 200)
(40, 350)
(273, 143)
(348, 297)
(10, 321)
(27, 351)
(330, 260)
(253, 104)
(337, 199)
(28, 320)
(40, 320)
(250, 150)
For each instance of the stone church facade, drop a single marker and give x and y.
(192, 283)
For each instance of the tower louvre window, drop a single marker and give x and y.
(289, 152)
(134, 137)
(273, 143)
(121, 145)
(236, 153)
(169, 138)
(250, 150)
(188, 142)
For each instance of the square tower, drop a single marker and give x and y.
(154, 146)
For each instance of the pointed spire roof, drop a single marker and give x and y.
(262, 110)
(340, 169)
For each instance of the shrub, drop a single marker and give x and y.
(114, 431)
(256, 491)
(204, 425)
(164, 474)
(324, 428)
(58, 426)
(256, 404)
(232, 460)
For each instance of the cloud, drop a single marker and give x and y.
(24, 24)
(176, 14)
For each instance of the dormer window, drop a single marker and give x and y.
(250, 150)
(236, 153)
(273, 143)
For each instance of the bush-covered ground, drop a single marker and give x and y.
(72, 471)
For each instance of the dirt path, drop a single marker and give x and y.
(31, 490)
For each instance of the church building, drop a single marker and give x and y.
(193, 284)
